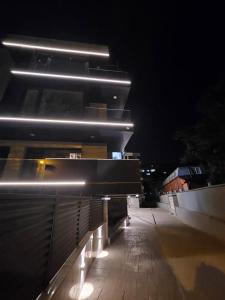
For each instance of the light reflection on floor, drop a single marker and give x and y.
(103, 254)
(88, 288)
(86, 291)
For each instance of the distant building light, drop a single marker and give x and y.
(55, 49)
(41, 162)
(142, 170)
(164, 172)
(117, 155)
(66, 122)
(106, 198)
(71, 77)
(136, 195)
(148, 174)
(115, 97)
(153, 170)
(41, 183)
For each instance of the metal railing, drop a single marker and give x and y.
(101, 113)
(108, 71)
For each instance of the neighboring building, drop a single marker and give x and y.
(63, 107)
(183, 179)
(153, 175)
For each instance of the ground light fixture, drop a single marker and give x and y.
(63, 122)
(42, 183)
(32, 46)
(70, 77)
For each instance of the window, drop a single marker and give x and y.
(75, 155)
(116, 155)
(196, 170)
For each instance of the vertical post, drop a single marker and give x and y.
(14, 163)
(106, 221)
(49, 265)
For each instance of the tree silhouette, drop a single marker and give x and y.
(205, 142)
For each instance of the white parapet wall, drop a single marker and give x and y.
(133, 201)
(202, 208)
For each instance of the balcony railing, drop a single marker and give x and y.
(100, 176)
(109, 72)
(104, 114)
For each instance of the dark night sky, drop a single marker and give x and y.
(173, 52)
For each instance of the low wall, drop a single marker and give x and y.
(68, 281)
(202, 208)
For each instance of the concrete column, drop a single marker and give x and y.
(106, 221)
(14, 162)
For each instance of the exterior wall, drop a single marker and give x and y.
(71, 276)
(94, 151)
(133, 202)
(209, 201)
(18, 150)
(88, 151)
(164, 202)
(13, 166)
(201, 208)
(177, 184)
(5, 64)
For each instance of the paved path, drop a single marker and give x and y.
(159, 258)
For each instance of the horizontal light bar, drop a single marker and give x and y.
(41, 183)
(65, 122)
(55, 49)
(70, 77)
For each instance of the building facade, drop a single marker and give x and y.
(63, 117)
(183, 179)
(63, 122)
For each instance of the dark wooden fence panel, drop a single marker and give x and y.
(38, 232)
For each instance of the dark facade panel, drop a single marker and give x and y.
(5, 64)
(101, 176)
(117, 209)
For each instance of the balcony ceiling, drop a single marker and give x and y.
(116, 138)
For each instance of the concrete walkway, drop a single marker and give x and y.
(159, 258)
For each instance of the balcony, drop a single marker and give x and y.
(101, 176)
(90, 125)
(110, 115)
(110, 71)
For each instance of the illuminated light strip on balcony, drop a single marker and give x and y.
(71, 77)
(66, 122)
(42, 183)
(63, 50)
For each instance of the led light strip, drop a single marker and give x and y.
(66, 122)
(71, 77)
(41, 183)
(64, 50)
